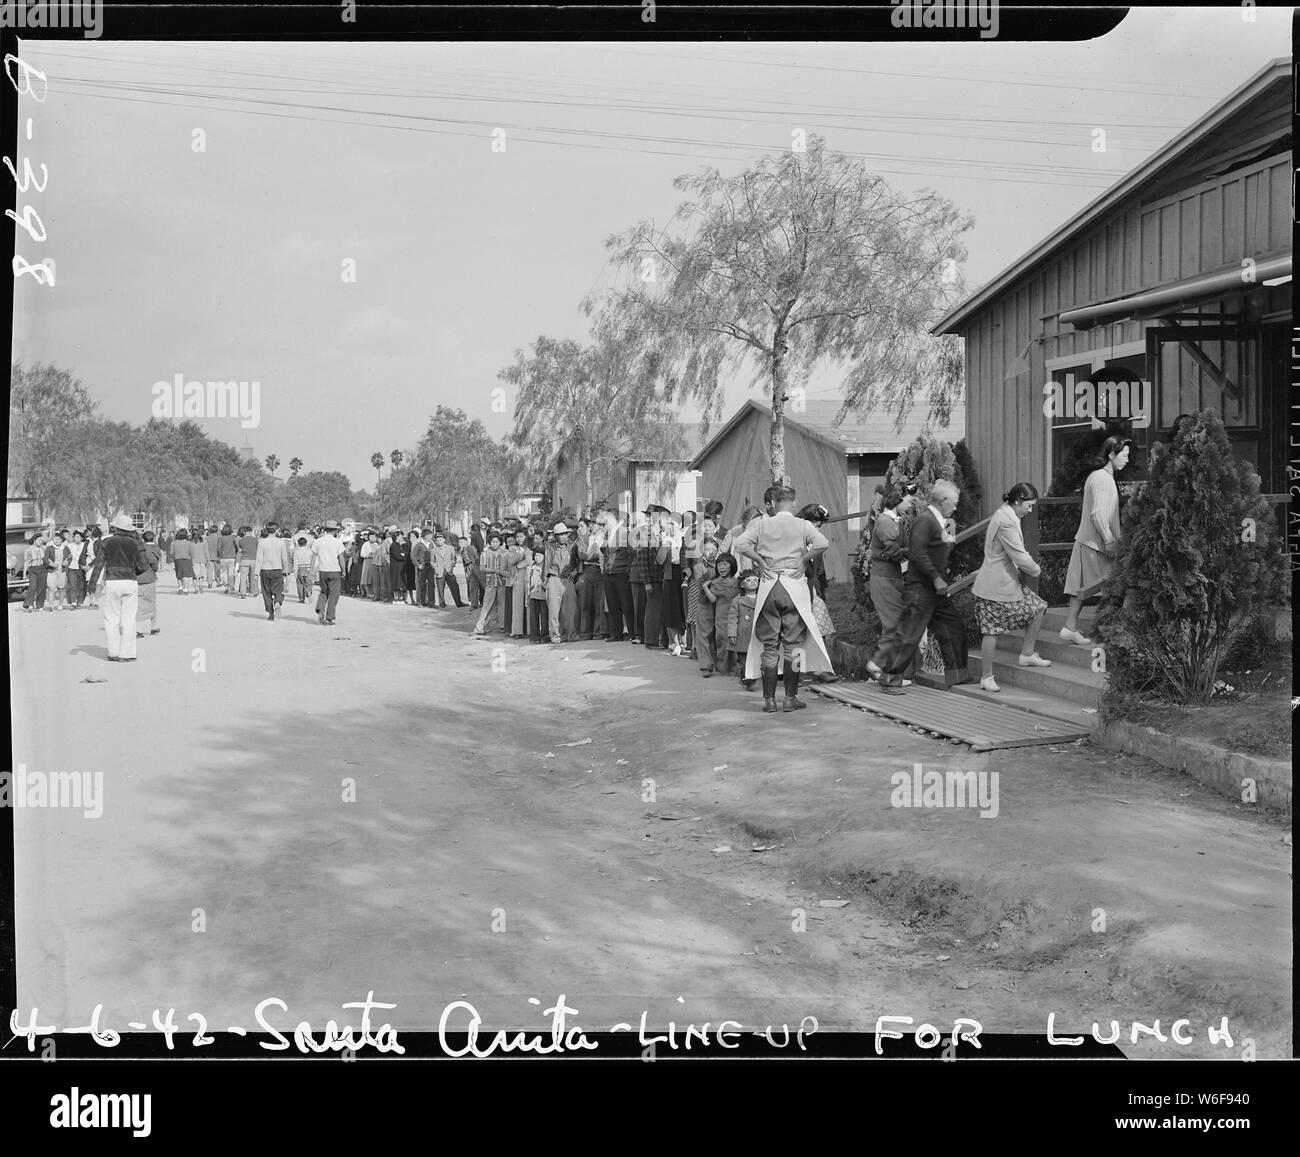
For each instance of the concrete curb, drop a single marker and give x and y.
(1212, 765)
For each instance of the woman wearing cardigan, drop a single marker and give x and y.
(672, 611)
(1002, 600)
(1097, 540)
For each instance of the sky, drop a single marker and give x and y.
(229, 263)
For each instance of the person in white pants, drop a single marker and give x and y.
(122, 558)
(121, 601)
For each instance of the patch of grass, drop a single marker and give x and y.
(1254, 718)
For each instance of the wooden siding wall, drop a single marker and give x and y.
(739, 469)
(1205, 228)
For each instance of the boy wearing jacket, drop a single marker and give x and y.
(740, 623)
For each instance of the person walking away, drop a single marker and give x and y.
(122, 561)
(1096, 542)
(245, 559)
(740, 624)
(270, 568)
(329, 551)
(199, 557)
(784, 629)
(147, 580)
(302, 556)
(212, 544)
(34, 568)
(1003, 600)
(928, 605)
(183, 560)
(713, 615)
(228, 558)
(492, 563)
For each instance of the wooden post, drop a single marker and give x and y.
(1029, 528)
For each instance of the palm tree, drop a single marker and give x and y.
(295, 464)
(396, 458)
(377, 461)
(272, 464)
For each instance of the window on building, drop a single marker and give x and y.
(138, 520)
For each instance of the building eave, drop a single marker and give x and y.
(1273, 72)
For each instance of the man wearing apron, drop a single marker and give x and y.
(784, 629)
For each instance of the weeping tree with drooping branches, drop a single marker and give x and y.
(803, 259)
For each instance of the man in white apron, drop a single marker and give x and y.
(780, 545)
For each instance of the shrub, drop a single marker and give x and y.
(1199, 560)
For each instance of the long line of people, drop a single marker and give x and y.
(669, 583)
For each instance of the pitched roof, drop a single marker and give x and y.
(874, 433)
(1276, 71)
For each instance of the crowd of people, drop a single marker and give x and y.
(688, 586)
(746, 600)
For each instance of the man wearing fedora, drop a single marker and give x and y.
(122, 560)
(328, 554)
(553, 570)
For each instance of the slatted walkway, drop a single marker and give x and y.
(985, 726)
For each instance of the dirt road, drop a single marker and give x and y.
(313, 813)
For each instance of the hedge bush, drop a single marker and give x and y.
(1200, 561)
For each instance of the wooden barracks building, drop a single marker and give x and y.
(1169, 293)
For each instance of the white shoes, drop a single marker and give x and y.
(1075, 637)
(1034, 660)
(988, 683)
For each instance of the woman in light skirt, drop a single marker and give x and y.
(1096, 543)
(1003, 601)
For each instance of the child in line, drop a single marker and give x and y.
(740, 623)
(537, 598)
(302, 556)
(716, 594)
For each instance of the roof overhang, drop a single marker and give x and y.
(1193, 291)
(1276, 71)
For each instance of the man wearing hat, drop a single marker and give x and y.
(328, 554)
(553, 568)
(122, 560)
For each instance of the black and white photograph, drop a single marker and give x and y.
(689, 546)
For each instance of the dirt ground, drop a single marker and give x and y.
(506, 842)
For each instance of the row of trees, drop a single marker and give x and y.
(81, 466)
(803, 259)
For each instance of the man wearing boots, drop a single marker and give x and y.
(780, 545)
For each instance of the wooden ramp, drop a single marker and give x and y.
(985, 726)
